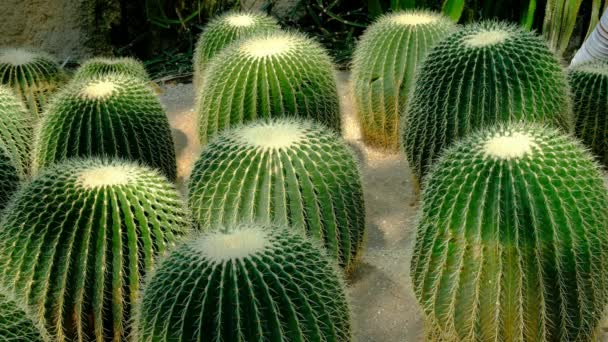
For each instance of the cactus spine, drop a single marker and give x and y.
(100, 66)
(223, 30)
(16, 131)
(109, 115)
(384, 67)
(250, 282)
(484, 74)
(297, 173)
(33, 75)
(589, 84)
(511, 243)
(17, 323)
(77, 241)
(271, 75)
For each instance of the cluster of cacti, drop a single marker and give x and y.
(76, 242)
(248, 282)
(99, 66)
(16, 131)
(511, 242)
(17, 323)
(589, 84)
(294, 172)
(109, 115)
(483, 74)
(269, 75)
(384, 68)
(223, 30)
(33, 75)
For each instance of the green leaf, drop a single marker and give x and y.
(595, 16)
(560, 17)
(374, 8)
(527, 19)
(402, 4)
(453, 8)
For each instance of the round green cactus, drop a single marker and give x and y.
(102, 66)
(297, 173)
(270, 75)
(223, 30)
(511, 243)
(16, 131)
(17, 323)
(589, 84)
(250, 282)
(484, 74)
(76, 242)
(9, 178)
(33, 75)
(109, 115)
(384, 68)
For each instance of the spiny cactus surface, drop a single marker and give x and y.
(16, 131)
(17, 323)
(110, 115)
(9, 178)
(589, 84)
(511, 243)
(250, 282)
(271, 75)
(223, 30)
(486, 73)
(102, 66)
(297, 173)
(384, 68)
(77, 241)
(33, 75)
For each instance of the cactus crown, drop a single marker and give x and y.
(33, 75)
(106, 115)
(78, 240)
(101, 66)
(486, 73)
(248, 282)
(508, 243)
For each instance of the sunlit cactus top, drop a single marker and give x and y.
(102, 66)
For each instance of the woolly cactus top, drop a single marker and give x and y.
(107, 65)
(17, 323)
(17, 57)
(249, 282)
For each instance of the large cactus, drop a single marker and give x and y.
(17, 323)
(271, 75)
(294, 172)
(512, 241)
(110, 115)
(486, 73)
(76, 242)
(250, 282)
(384, 69)
(33, 75)
(102, 66)
(16, 131)
(223, 30)
(589, 84)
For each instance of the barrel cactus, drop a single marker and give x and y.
(249, 282)
(9, 177)
(110, 115)
(271, 75)
(103, 66)
(384, 67)
(589, 83)
(17, 323)
(77, 241)
(16, 131)
(33, 75)
(511, 243)
(294, 172)
(225, 29)
(486, 73)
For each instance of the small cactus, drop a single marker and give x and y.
(16, 131)
(250, 282)
(223, 30)
(109, 115)
(294, 172)
(77, 241)
(511, 242)
(384, 68)
(486, 73)
(589, 84)
(271, 75)
(17, 323)
(33, 75)
(99, 66)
